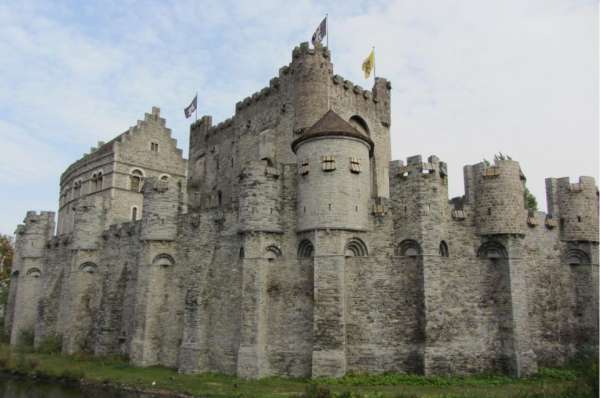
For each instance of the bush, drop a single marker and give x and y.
(72, 375)
(23, 364)
(25, 339)
(50, 345)
(317, 391)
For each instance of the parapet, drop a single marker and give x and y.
(35, 232)
(415, 167)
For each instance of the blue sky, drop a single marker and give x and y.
(470, 78)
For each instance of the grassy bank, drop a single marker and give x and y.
(573, 382)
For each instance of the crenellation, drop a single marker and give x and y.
(291, 244)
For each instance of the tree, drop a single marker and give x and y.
(530, 200)
(7, 252)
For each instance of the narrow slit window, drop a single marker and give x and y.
(355, 165)
(328, 163)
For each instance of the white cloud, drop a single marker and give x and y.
(470, 78)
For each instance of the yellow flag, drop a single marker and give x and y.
(369, 64)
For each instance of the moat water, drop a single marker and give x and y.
(12, 387)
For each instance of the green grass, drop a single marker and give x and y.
(571, 382)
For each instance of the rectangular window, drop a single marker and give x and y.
(354, 165)
(304, 168)
(154, 146)
(328, 163)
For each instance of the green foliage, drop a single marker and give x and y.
(50, 345)
(530, 200)
(25, 339)
(317, 391)
(72, 375)
(25, 364)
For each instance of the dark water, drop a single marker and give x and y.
(12, 387)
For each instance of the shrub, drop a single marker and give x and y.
(72, 375)
(23, 364)
(25, 339)
(317, 391)
(50, 345)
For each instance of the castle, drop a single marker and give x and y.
(290, 244)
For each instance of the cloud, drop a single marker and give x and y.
(470, 78)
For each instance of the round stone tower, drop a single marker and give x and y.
(499, 201)
(578, 209)
(311, 71)
(334, 181)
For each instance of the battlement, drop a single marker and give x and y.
(416, 167)
(304, 50)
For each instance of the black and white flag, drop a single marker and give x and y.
(320, 33)
(192, 107)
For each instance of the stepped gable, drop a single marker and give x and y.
(331, 124)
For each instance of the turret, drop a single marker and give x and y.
(88, 223)
(31, 240)
(334, 182)
(576, 205)
(496, 193)
(421, 199)
(160, 210)
(311, 71)
(34, 233)
(260, 197)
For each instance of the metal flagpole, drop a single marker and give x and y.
(196, 106)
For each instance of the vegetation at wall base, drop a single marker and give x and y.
(579, 380)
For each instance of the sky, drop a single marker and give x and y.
(470, 78)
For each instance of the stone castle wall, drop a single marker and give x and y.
(268, 262)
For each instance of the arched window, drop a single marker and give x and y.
(272, 252)
(242, 254)
(577, 257)
(306, 249)
(444, 249)
(134, 213)
(164, 260)
(77, 188)
(360, 124)
(492, 250)
(164, 178)
(220, 198)
(88, 267)
(355, 247)
(409, 248)
(99, 181)
(136, 178)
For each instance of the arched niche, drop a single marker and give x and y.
(33, 272)
(355, 247)
(306, 249)
(163, 260)
(360, 124)
(577, 257)
(492, 250)
(88, 267)
(272, 253)
(409, 248)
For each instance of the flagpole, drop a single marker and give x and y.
(196, 106)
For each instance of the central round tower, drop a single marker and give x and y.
(334, 181)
